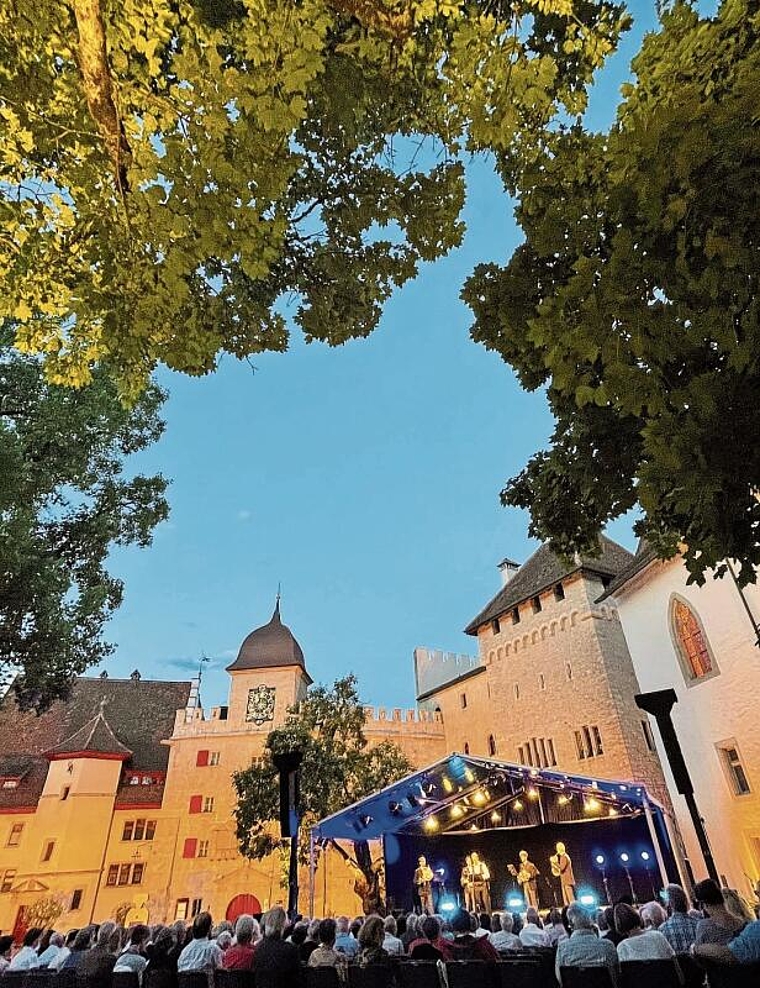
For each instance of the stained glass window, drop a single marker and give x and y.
(691, 641)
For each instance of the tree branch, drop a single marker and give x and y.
(98, 86)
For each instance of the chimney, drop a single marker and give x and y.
(507, 568)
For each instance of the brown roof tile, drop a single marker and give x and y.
(542, 570)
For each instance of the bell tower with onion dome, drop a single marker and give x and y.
(268, 676)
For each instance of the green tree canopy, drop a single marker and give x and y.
(65, 502)
(173, 171)
(634, 302)
(339, 767)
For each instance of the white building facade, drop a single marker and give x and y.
(702, 642)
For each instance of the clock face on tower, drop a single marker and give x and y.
(260, 706)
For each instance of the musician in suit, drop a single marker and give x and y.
(481, 884)
(465, 880)
(423, 884)
(562, 868)
(527, 874)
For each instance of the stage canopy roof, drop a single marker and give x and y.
(462, 793)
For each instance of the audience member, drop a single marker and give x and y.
(326, 955)
(679, 929)
(345, 942)
(132, 957)
(737, 905)
(652, 916)
(49, 955)
(160, 954)
(719, 925)
(744, 949)
(371, 938)
(239, 957)
(504, 940)
(277, 964)
(533, 933)
(27, 958)
(554, 928)
(466, 946)
(6, 945)
(202, 953)
(483, 927)
(411, 933)
(64, 952)
(98, 962)
(639, 944)
(311, 942)
(79, 946)
(391, 942)
(430, 945)
(584, 947)
(611, 933)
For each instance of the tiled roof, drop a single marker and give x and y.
(95, 736)
(140, 715)
(271, 646)
(645, 555)
(542, 570)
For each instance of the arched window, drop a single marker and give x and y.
(491, 745)
(691, 643)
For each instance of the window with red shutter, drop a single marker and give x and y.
(188, 851)
(202, 758)
(196, 804)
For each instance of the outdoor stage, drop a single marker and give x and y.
(615, 834)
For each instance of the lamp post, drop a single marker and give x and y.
(659, 703)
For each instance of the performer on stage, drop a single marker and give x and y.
(465, 880)
(481, 884)
(562, 868)
(423, 883)
(527, 878)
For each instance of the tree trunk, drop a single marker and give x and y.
(98, 86)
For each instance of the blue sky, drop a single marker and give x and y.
(365, 479)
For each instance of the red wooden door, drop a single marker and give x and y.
(20, 926)
(243, 904)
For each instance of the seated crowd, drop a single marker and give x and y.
(720, 928)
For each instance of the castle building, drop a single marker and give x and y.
(119, 801)
(703, 642)
(553, 673)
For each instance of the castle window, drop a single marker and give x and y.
(190, 847)
(588, 742)
(7, 878)
(536, 605)
(491, 745)
(521, 755)
(541, 681)
(134, 780)
(129, 827)
(137, 873)
(113, 874)
(559, 592)
(65, 793)
(124, 873)
(47, 850)
(646, 729)
(467, 748)
(544, 756)
(180, 910)
(196, 906)
(202, 849)
(463, 701)
(208, 804)
(568, 671)
(528, 755)
(732, 764)
(495, 626)
(598, 748)
(692, 648)
(517, 691)
(76, 899)
(14, 837)
(552, 753)
(515, 615)
(196, 804)
(10, 783)
(201, 759)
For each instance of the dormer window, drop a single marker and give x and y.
(515, 615)
(536, 604)
(495, 626)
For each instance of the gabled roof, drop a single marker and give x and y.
(645, 555)
(93, 738)
(545, 568)
(140, 715)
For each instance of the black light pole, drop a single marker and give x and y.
(660, 703)
(288, 765)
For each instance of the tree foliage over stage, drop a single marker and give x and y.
(634, 302)
(171, 170)
(339, 767)
(64, 504)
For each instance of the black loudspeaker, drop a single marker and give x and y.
(659, 703)
(288, 765)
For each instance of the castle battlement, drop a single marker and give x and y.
(396, 718)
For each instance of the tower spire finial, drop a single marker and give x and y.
(276, 614)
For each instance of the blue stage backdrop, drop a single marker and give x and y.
(585, 842)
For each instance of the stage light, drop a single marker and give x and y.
(431, 823)
(413, 800)
(495, 817)
(625, 857)
(478, 798)
(517, 805)
(447, 905)
(588, 899)
(448, 787)
(563, 800)
(645, 855)
(515, 902)
(612, 811)
(456, 811)
(600, 859)
(534, 773)
(365, 820)
(474, 826)
(591, 805)
(469, 775)
(394, 808)
(533, 793)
